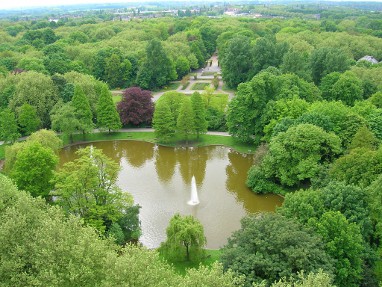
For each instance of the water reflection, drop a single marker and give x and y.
(159, 178)
(165, 162)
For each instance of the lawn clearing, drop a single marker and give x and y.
(200, 86)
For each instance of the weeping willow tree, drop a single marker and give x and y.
(185, 239)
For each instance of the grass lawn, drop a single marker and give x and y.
(208, 73)
(199, 86)
(170, 87)
(117, 99)
(211, 256)
(204, 140)
(185, 86)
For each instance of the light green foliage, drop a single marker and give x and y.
(350, 200)
(345, 122)
(32, 64)
(275, 111)
(299, 153)
(52, 249)
(37, 90)
(343, 241)
(199, 114)
(64, 119)
(82, 110)
(269, 247)
(27, 119)
(33, 169)
(364, 138)
(361, 166)
(313, 279)
(46, 138)
(237, 61)
(185, 239)
(107, 115)
(86, 187)
(247, 108)
(182, 67)
(8, 126)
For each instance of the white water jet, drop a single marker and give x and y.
(194, 193)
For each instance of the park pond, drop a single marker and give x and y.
(159, 178)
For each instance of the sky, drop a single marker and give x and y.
(6, 4)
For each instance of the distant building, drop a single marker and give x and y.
(369, 59)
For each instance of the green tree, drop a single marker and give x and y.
(269, 247)
(326, 60)
(8, 126)
(199, 109)
(299, 153)
(344, 243)
(182, 67)
(107, 115)
(237, 61)
(27, 119)
(57, 250)
(39, 91)
(185, 239)
(364, 138)
(82, 110)
(33, 169)
(157, 69)
(86, 187)
(46, 138)
(185, 124)
(163, 121)
(64, 120)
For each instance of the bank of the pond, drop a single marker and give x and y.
(211, 138)
(212, 255)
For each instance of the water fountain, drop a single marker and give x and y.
(194, 193)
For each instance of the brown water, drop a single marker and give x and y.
(159, 178)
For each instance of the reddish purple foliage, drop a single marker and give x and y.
(136, 106)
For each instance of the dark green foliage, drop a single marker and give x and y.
(327, 60)
(216, 119)
(185, 124)
(268, 53)
(182, 67)
(82, 110)
(8, 126)
(107, 115)
(199, 114)
(27, 119)
(158, 69)
(237, 61)
(269, 247)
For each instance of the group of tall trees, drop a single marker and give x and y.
(177, 113)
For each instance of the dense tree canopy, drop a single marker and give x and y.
(270, 247)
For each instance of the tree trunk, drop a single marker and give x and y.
(187, 252)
